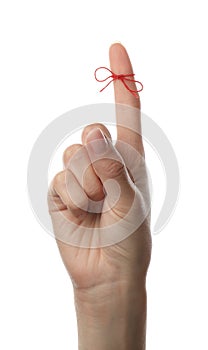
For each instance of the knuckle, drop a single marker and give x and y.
(70, 151)
(114, 168)
(59, 179)
(94, 190)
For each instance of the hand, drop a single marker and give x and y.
(106, 277)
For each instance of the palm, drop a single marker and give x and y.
(88, 267)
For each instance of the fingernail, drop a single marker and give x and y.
(97, 141)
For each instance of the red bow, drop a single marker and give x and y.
(123, 78)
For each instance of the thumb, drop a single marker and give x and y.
(109, 167)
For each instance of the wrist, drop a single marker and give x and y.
(111, 316)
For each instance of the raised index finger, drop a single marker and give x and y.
(128, 119)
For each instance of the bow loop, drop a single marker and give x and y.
(124, 78)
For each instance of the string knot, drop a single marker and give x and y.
(124, 78)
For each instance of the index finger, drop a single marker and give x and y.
(128, 119)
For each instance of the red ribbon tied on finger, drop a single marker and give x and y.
(124, 78)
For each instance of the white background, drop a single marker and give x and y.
(49, 50)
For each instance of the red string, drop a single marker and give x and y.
(122, 77)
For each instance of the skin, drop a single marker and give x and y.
(109, 282)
